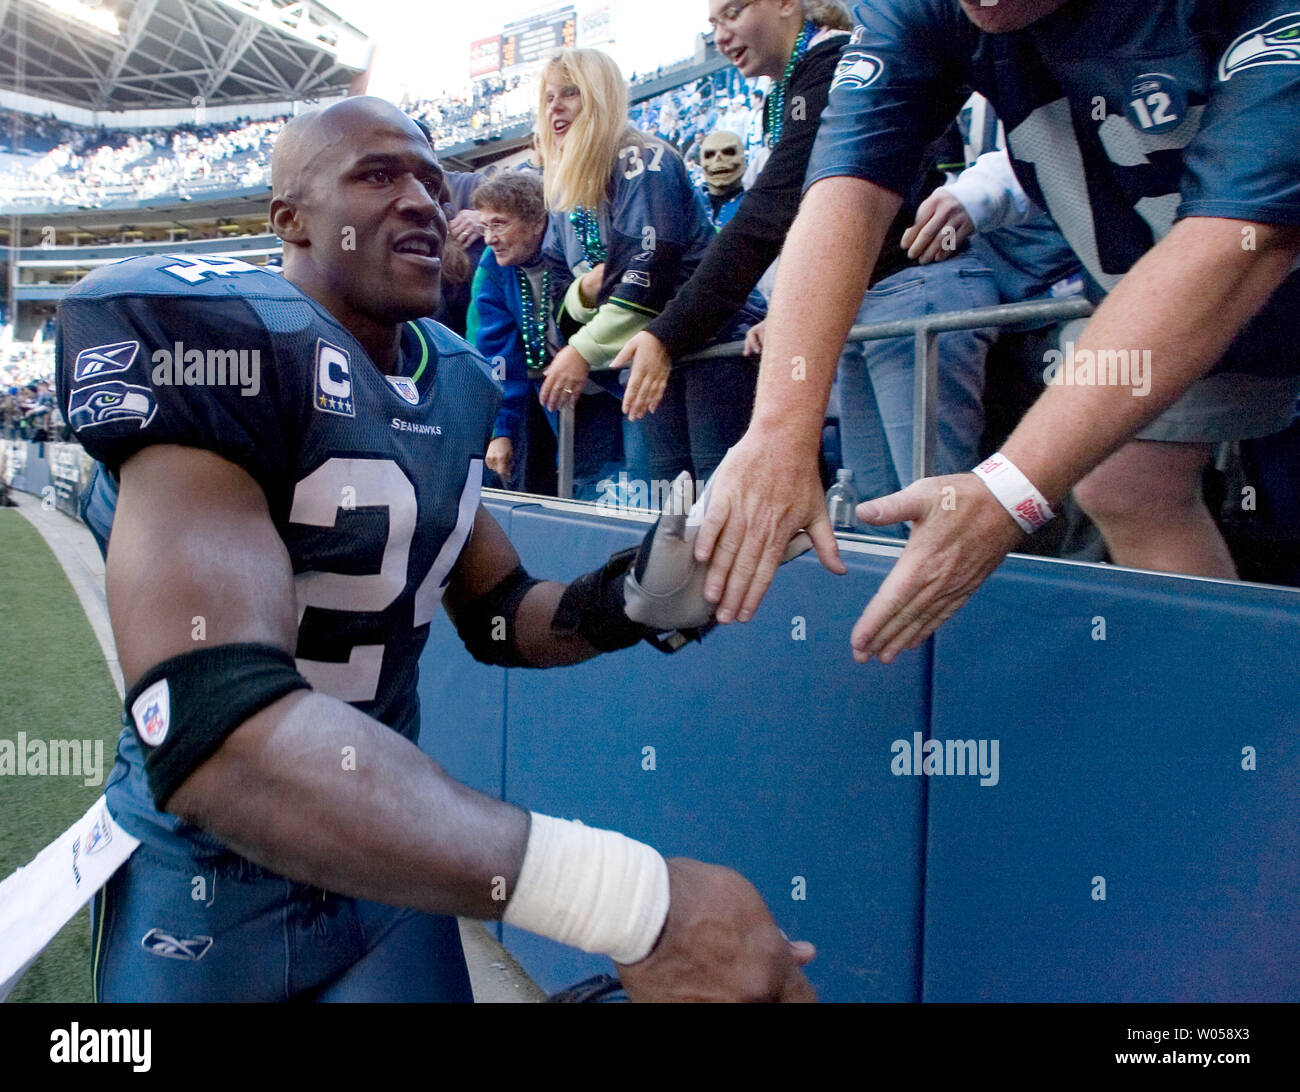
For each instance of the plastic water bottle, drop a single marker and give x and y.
(842, 501)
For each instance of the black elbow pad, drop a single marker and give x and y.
(487, 624)
(184, 708)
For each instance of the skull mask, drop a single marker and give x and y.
(723, 158)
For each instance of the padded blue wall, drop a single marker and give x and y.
(1119, 758)
(1122, 759)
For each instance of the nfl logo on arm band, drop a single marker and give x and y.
(151, 712)
(1016, 493)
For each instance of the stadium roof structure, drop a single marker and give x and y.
(149, 54)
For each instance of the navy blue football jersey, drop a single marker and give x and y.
(371, 480)
(1121, 118)
(652, 227)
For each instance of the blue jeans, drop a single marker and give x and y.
(605, 443)
(876, 378)
(705, 409)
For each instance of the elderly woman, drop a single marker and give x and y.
(510, 312)
(512, 322)
(622, 203)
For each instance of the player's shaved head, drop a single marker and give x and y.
(314, 138)
(355, 191)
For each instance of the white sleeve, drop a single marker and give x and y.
(991, 194)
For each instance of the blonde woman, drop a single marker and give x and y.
(625, 221)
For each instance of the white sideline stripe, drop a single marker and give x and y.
(74, 548)
(39, 900)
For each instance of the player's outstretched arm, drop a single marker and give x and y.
(1184, 301)
(653, 592)
(485, 619)
(767, 487)
(315, 790)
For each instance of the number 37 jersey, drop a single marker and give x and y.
(372, 480)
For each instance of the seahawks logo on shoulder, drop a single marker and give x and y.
(104, 403)
(1276, 42)
(857, 69)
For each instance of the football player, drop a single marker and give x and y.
(1159, 136)
(299, 461)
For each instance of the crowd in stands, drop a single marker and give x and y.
(28, 410)
(95, 167)
(684, 116)
(45, 161)
(480, 113)
(967, 236)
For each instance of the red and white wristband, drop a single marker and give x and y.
(1016, 493)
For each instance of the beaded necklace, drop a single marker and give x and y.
(533, 328)
(776, 97)
(587, 224)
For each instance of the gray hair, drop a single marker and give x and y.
(516, 193)
(828, 13)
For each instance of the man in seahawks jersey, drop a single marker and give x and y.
(1159, 138)
(299, 461)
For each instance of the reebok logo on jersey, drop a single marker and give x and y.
(1275, 42)
(151, 712)
(190, 949)
(334, 380)
(105, 403)
(105, 359)
(857, 69)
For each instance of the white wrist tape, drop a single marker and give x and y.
(594, 889)
(1016, 493)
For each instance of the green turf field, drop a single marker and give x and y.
(54, 685)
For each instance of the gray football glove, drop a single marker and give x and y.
(664, 589)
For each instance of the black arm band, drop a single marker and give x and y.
(487, 624)
(593, 606)
(184, 708)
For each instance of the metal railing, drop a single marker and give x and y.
(923, 329)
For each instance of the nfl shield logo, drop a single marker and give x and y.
(100, 834)
(151, 712)
(405, 387)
